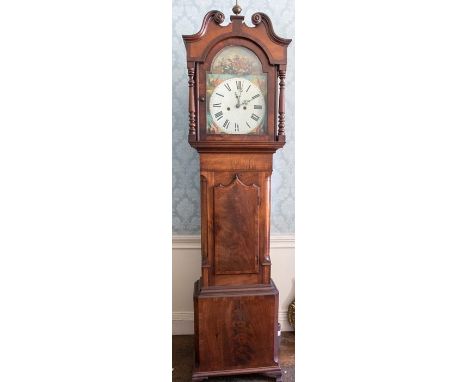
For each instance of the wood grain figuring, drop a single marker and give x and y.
(230, 334)
(236, 162)
(236, 228)
(251, 169)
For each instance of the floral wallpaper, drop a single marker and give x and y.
(187, 16)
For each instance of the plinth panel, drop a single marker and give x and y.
(236, 329)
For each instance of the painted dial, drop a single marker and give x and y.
(237, 106)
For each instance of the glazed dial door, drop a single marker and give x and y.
(237, 106)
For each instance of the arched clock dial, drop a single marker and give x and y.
(237, 106)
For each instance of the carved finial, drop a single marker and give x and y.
(236, 9)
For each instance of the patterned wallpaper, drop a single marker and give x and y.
(187, 16)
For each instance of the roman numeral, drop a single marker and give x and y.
(219, 115)
(256, 106)
(226, 124)
(219, 94)
(227, 87)
(239, 85)
(248, 88)
(217, 105)
(255, 117)
(247, 124)
(255, 96)
(236, 127)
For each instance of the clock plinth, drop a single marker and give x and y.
(236, 123)
(236, 330)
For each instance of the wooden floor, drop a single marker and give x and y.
(182, 361)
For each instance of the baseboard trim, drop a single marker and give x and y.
(182, 323)
(193, 241)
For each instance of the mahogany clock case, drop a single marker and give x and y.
(235, 300)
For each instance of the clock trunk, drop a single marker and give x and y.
(235, 218)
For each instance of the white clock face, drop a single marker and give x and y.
(237, 106)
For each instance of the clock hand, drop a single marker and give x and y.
(238, 100)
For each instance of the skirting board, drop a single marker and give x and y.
(182, 323)
(186, 269)
(193, 241)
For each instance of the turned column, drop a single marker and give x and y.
(281, 103)
(191, 82)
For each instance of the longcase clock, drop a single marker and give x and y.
(236, 123)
